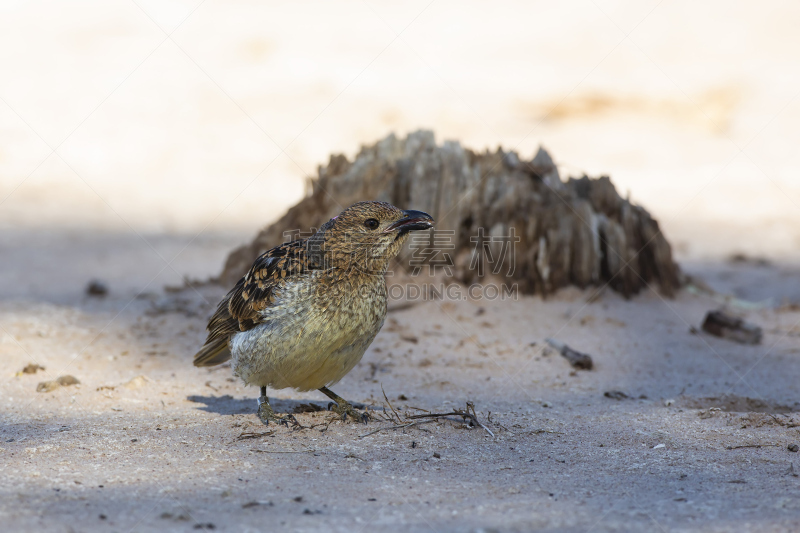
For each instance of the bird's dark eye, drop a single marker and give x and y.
(371, 223)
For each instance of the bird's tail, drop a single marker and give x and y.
(213, 352)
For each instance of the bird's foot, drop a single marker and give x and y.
(265, 414)
(344, 409)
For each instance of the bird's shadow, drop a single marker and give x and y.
(228, 405)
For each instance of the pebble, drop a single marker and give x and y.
(63, 381)
(96, 288)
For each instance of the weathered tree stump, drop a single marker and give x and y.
(579, 232)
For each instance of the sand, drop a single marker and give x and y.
(147, 442)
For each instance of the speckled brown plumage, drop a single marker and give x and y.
(307, 310)
(239, 310)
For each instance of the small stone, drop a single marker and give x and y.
(47, 386)
(63, 381)
(96, 288)
(793, 448)
(32, 368)
(136, 383)
(67, 380)
(436, 455)
(722, 324)
(657, 446)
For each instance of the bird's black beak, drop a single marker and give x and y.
(412, 221)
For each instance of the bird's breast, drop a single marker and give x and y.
(349, 308)
(315, 332)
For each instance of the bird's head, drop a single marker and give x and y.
(367, 235)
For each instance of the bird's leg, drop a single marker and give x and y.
(343, 407)
(265, 412)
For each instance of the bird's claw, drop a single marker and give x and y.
(346, 410)
(265, 414)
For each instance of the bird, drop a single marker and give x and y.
(307, 310)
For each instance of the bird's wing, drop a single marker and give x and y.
(241, 308)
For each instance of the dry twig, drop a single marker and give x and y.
(310, 450)
(405, 421)
(750, 446)
(466, 414)
(253, 435)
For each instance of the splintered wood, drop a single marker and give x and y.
(557, 233)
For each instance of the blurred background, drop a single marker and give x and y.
(165, 133)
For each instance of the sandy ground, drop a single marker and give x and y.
(169, 452)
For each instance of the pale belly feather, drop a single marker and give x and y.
(306, 345)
